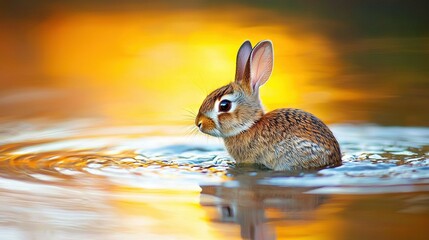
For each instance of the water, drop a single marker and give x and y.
(82, 179)
(83, 83)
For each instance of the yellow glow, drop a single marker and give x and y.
(149, 66)
(173, 213)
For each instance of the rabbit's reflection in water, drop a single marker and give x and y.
(259, 209)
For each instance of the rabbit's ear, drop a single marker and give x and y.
(242, 59)
(260, 64)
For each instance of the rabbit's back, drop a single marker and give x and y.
(286, 139)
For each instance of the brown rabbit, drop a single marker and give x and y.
(284, 139)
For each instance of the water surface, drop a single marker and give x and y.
(67, 174)
(80, 179)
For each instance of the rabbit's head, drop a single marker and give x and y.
(234, 108)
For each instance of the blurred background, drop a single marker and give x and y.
(150, 62)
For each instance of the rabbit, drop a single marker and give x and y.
(285, 139)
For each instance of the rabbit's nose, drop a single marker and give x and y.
(199, 124)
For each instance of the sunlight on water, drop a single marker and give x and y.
(149, 176)
(97, 98)
(371, 154)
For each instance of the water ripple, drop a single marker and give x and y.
(165, 156)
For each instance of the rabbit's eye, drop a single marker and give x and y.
(225, 105)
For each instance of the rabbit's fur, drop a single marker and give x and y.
(283, 139)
